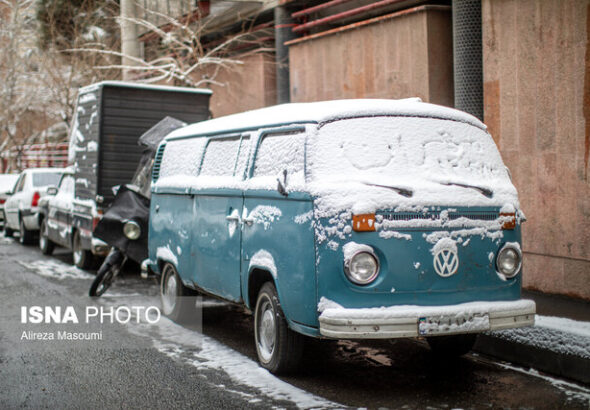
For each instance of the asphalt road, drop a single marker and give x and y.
(165, 365)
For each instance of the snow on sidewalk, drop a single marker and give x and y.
(560, 335)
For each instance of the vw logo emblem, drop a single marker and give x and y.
(446, 262)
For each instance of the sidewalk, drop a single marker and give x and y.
(558, 344)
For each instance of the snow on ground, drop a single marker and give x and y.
(204, 352)
(573, 391)
(56, 270)
(557, 334)
(4, 239)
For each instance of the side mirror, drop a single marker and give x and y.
(52, 190)
(282, 183)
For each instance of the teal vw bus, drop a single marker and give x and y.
(341, 219)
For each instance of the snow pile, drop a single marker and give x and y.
(265, 215)
(559, 335)
(352, 248)
(263, 259)
(165, 254)
(56, 270)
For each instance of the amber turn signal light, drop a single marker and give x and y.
(363, 223)
(509, 220)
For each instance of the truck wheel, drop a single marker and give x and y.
(26, 237)
(45, 244)
(279, 348)
(8, 233)
(178, 301)
(451, 346)
(83, 258)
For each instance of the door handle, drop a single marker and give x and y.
(248, 221)
(235, 218)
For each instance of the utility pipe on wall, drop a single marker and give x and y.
(283, 33)
(468, 57)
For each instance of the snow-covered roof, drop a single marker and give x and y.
(95, 86)
(43, 170)
(320, 112)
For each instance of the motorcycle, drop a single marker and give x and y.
(124, 226)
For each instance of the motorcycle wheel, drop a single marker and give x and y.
(104, 279)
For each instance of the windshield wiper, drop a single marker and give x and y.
(484, 191)
(402, 191)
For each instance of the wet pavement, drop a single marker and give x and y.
(165, 365)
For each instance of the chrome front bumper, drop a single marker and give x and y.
(413, 321)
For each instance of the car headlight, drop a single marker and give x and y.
(362, 268)
(509, 261)
(132, 230)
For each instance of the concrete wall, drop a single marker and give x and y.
(245, 87)
(537, 105)
(404, 54)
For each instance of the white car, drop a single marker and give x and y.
(21, 208)
(7, 182)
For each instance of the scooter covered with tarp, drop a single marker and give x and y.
(124, 226)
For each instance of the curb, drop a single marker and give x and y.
(569, 366)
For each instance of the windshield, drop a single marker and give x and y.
(46, 178)
(404, 152)
(7, 182)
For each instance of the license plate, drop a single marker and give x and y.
(441, 325)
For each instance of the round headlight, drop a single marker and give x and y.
(362, 268)
(509, 261)
(132, 230)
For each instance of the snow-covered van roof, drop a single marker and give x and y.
(321, 112)
(95, 86)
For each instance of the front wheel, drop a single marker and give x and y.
(107, 273)
(279, 348)
(26, 237)
(45, 244)
(83, 258)
(178, 301)
(451, 346)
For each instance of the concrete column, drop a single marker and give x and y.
(468, 57)
(129, 36)
(283, 33)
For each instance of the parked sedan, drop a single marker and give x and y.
(22, 207)
(7, 182)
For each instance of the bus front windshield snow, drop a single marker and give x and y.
(404, 152)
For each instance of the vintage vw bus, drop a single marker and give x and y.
(341, 219)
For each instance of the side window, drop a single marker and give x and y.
(220, 157)
(67, 185)
(21, 183)
(278, 152)
(182, 157)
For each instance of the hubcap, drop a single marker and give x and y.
(169, 293)
(266, 331)
(77, 254)
(43, 236)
